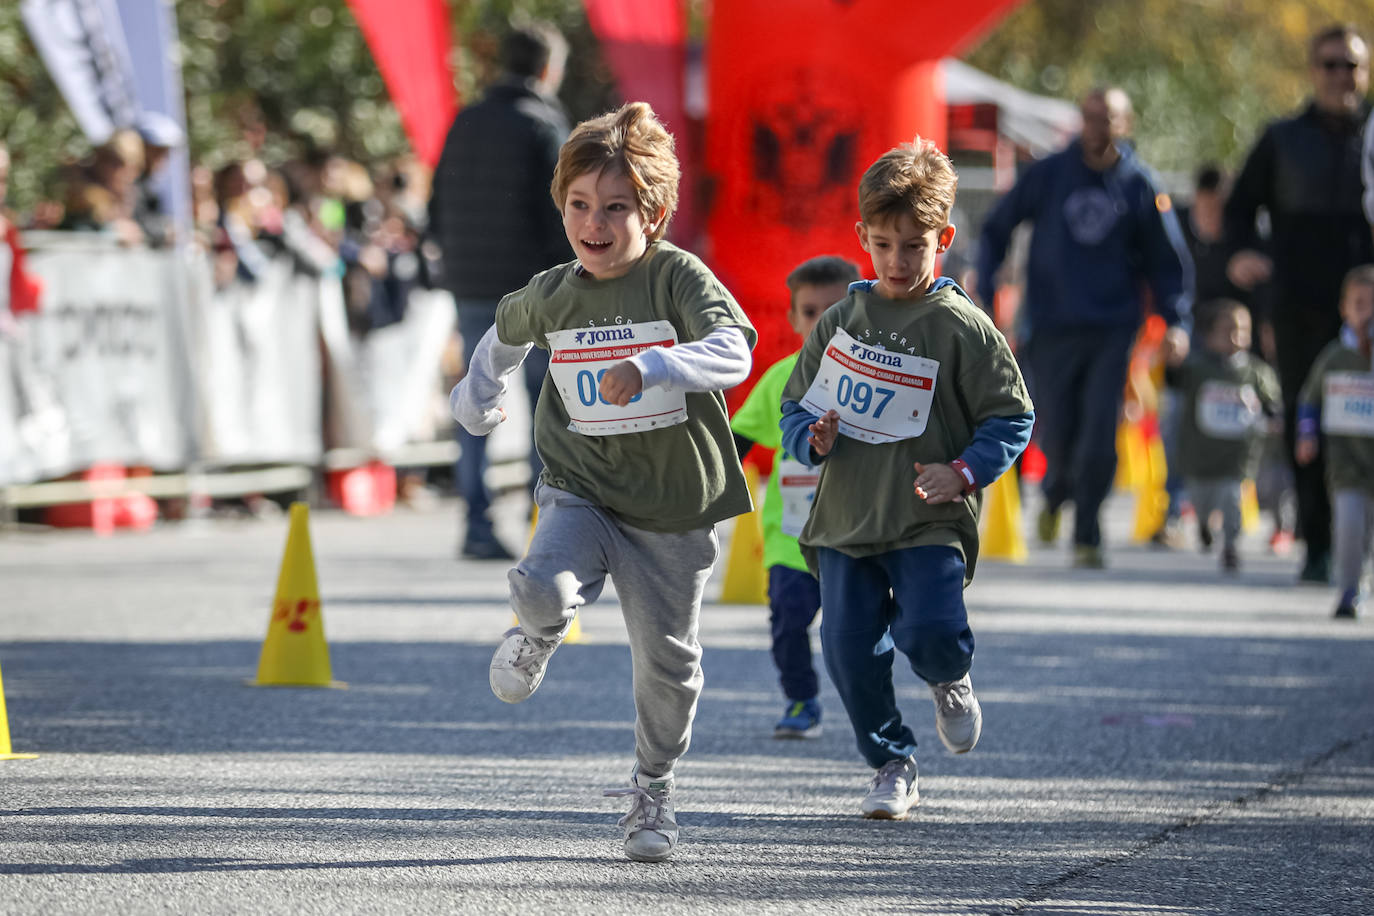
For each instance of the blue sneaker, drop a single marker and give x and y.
(802, 719)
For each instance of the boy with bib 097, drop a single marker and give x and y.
(639, 462)
(1227, 398)
(794, 595)
(1336, 414)
(905, 378)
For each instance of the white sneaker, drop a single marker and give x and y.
(518, 665)
(893, 790)
(958, 717)
(650, 826)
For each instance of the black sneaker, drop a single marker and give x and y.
(1316, 569)
(485, 550)
(1230, 560)
(1349, 606)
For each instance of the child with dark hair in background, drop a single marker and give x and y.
(1336, 413)
(1226, 394)
(639, 462)
(909, 400)
(794, 596)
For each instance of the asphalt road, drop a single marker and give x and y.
(1157, 740)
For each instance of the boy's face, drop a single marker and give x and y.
(1357, 307)
(604, 227)
(903, 254)
(809, 302)
(1230, 334)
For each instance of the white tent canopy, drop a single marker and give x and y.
(1039, 123)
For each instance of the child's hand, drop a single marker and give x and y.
(1306, 450)
(1174, 348)
(621, 382)
(824, 432)
(938, 483)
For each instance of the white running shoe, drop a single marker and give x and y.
(958, 717)
(893, 790)
(650, 826)
(518, 665)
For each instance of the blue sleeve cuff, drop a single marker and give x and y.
(795, 425)
(1309, 421)
(997, 443)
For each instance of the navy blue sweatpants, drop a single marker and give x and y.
(794, 598)
(1077, 378)
(912, 600)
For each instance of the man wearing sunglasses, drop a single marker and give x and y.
(1305, 172)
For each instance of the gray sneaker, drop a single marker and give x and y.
(958, 717)
(518, 665)
(893, 790)
(650, 826)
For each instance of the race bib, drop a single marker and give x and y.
(880, 396)
(1348, 404)
(579, 357)
(1226, 411)
(797, 484)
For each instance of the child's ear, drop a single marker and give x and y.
(654, 223)
(862, 231)
(946, 238)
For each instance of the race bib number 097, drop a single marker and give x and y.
(1348, 404)
(579, 357)
(880, 396)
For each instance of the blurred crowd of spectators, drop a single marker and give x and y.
(329, 214)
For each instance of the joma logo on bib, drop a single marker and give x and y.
(601, 335)
(872, 356)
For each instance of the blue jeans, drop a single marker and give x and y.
(475, 318)
(1079, 378)
(794, 597)
(912, 600)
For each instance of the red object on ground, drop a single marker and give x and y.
(366, 490)
(410, 41)
(104, 514)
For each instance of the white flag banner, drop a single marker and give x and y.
(82, 43)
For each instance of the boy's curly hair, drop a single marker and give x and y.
(632, 141)
(916, 179)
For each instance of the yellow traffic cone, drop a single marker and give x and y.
(574, 634)
(1249, 506)
(1002, 538)
(6, 752)
(1152, 499)
(295, 654)
(745, 581)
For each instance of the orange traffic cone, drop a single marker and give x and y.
(1002, 538)
(745, 581)
(574, 634)
(294, 654)
(6, 752)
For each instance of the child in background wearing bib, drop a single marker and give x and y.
(1226, 397)
(639, 461)
(1336, 415)
(794, 596)
(909, 400)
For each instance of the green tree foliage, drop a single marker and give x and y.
(274, 78)
(1205, 75)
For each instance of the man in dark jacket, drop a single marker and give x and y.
(1103, 231)
(1305, 171)
(496, 225)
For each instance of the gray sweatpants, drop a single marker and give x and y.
(1220, 493)
(660, 579)
(1352, 521)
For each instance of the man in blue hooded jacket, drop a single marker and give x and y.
(1103, 233)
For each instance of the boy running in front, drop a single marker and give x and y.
(909, 400)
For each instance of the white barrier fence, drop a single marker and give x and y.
(135, 359)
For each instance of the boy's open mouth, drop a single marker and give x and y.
(596, 246)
